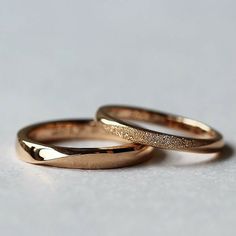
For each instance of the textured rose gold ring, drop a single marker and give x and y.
(34, 144)
(116, 120)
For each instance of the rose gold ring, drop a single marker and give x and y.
(34, 144)
(116, 121)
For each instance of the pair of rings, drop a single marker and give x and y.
(35, 142)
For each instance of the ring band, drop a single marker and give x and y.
(34, 146)
(114, 120)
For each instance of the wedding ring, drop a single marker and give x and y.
(116, 121)
(34, 144)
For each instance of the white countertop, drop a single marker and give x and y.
(63, 59)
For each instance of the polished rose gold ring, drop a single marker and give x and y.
(116, 120)
(34, 144)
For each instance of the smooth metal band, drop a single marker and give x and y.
(114, 120)
(33, 145)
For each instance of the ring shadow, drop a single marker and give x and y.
(160, 157)
(156, 157)
(226, 153)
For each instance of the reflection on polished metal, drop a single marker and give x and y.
(116, 121)
(34, 144)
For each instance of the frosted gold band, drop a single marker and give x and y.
(114, 120)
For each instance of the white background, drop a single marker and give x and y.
(63, 59)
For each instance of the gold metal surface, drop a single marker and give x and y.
(116, 121)
(34, 144)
